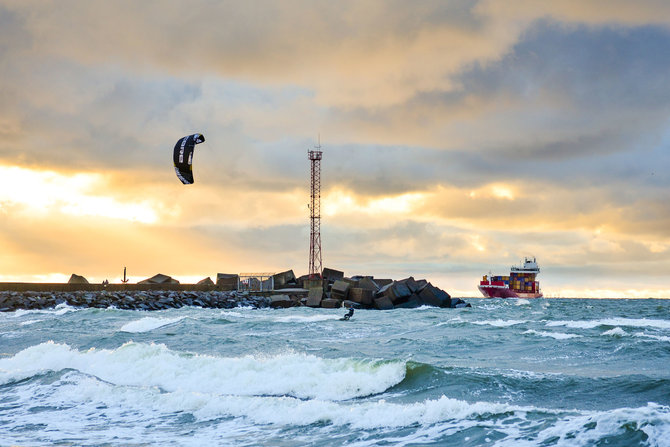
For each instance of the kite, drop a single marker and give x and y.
(183, 157)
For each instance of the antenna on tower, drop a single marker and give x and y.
(315, 264)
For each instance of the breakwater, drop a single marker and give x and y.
(146, 299)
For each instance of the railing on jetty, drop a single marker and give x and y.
(255, 282)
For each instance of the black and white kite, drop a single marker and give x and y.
(183, 157)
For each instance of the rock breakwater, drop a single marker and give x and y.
(135, 300)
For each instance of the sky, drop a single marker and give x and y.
(457, 138)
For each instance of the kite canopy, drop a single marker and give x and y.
(183, 157)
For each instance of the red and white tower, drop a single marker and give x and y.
(315, 265)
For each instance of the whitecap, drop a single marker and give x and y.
(617, 331)
(306, 318)
(630, 322)
(500, 323)
(60, 309)
(556, 335)
(138, 364)
(147, 324)
(655, 337)
(29, 322)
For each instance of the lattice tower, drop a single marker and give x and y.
(315, 265)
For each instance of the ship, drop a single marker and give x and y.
(520, 283)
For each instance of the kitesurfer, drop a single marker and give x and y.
(349, 314)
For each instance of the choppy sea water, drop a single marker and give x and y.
(546, 372)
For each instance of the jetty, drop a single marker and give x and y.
(274, 290)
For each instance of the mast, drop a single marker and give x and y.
(315, 265)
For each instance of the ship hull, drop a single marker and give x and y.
(505, 292)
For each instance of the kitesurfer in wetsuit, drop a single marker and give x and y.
(350, 314)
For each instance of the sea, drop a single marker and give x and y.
(543, 372)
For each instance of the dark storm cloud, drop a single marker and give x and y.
(589, 104)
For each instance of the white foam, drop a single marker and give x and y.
(29, 322)
(137, 364)
(280, 410)
(499, 323)
(655, 337)
(556, 335)
(306, 318)
(590, 428)
(147, 324)
(87, 395)
(522, 302)
(630, 322)
(230, 313)
(60, 309)
(616, 332)
(87, 404)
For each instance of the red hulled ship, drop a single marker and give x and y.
(520, 283)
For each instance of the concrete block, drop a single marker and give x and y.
(331, 303)
(282, 279)
(281, 301)
(360, 295)
(314, 297)
(383, 282)
(383, 303)
(332, 275)
(367, 283)
(432, 296)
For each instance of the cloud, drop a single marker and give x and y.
(456, 135)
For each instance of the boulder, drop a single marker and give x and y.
(383, 282)
(310, 283)
(340, 289)
(383, 303)
(411, 284)
(284, 279)
(281, 301)
(331, 275)
(76, 279)
(361, 295)
(331, 303)
(367, 283)
(412, 303)
(432, 296)
(458, 303)
(227, 281)
(206, 282)
(159, 279)
(397, 292)
(314, 297)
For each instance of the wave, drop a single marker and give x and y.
(60, 309)
(616, 332)
(147, 324)
(628, 322)
(306, 318)
(137, 364)
(29, 322)
(556, 335)
(500, 323)
(655, 337)
(429, 419)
